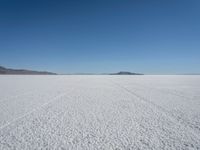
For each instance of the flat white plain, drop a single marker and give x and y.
(99, 112)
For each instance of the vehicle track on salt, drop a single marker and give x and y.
(30, 112)
(177, 119)
(176, 114)
(95, 112)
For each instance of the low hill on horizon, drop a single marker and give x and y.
(126, 73)
(9, 71)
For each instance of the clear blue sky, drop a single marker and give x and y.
(98, 36)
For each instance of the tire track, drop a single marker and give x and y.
(184, 120)
(173, 117)
(30, 112)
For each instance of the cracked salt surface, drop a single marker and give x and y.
(99, 112)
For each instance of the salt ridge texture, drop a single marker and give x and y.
(99, 112)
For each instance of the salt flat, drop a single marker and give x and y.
(99, 112)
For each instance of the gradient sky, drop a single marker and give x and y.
(98, 36)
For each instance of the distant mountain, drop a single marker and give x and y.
(126, 73)
(5, 71)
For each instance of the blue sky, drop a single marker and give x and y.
(98, 36)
